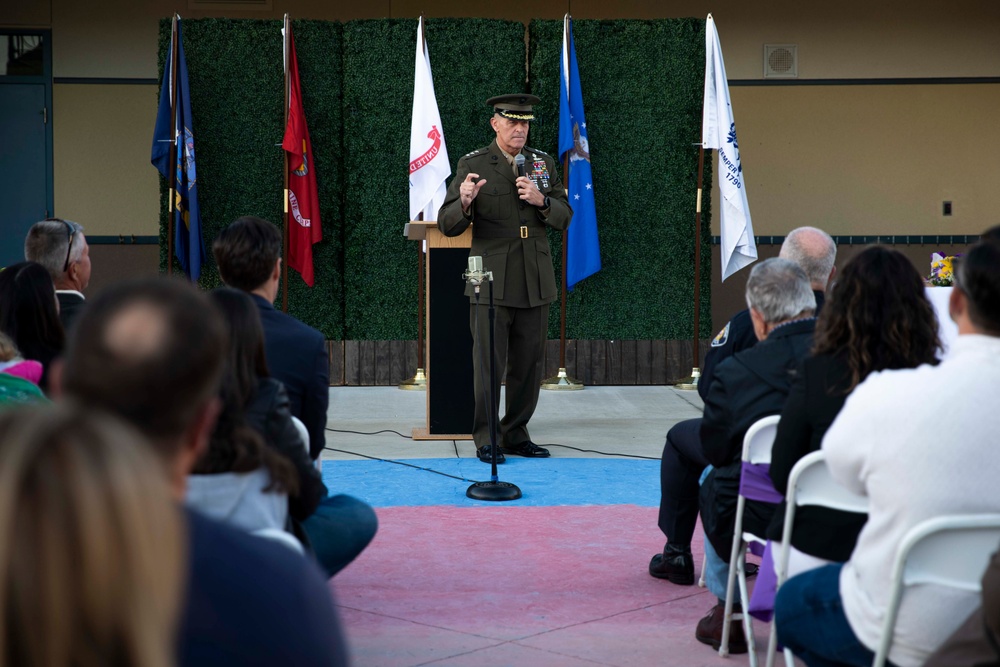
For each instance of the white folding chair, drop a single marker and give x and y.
(809, 483)
(951, 551)
(280, 537)
(756, 450)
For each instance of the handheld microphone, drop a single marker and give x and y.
(519, 162)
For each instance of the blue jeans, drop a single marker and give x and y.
(339, 530)
(809, 619)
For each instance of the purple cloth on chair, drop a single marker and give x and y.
(755, 483)
(762, 598)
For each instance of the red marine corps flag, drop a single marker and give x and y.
(302, 218)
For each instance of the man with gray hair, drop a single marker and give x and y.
(60, 246)
(683, 460)
(749, 386)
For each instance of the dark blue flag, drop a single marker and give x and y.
(188, 244)
(583, 252)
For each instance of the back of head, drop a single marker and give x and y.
(53, 243)
(246, 252)
(991, 235)
(779, 290)
(878, 315)
(28, 311)
(813, 250)
(150, 351)
(91, 569)
(978, 276)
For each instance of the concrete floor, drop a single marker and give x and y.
(555, 579)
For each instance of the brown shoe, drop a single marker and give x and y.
(710, 630)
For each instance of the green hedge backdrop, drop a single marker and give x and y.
(642, 85)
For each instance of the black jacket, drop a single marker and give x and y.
(269, 415)
(750, 385)
(816, 396)
(735, 337)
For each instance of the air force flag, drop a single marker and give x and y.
(583, 252)
(719, 132)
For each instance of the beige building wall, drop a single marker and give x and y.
(878, 158)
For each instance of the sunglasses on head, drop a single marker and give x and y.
(71, 229)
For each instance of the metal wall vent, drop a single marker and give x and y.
(781, 61)
(232, 5)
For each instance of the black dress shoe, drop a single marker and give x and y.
(676, 567)
(527, 449)
(486, 456)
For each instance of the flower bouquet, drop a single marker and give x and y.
(942, 270)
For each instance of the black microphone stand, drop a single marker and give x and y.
(493, 489)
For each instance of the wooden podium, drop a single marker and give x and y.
(451, 404)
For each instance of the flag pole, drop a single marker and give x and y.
(172, 68)
(419, 380)
(562, 381)
(691, 382)
(284, 234)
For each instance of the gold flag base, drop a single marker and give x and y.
(416, 383)
(562, 382)
(690, 382)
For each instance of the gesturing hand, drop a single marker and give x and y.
(529, 192)
(469, 189)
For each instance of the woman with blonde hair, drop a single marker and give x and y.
(91, 543)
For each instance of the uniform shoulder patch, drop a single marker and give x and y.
(721, 337)
(476, 152)
(535, 150)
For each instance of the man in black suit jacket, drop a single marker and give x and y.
(248, 253)
(151, 352)
(60, 246)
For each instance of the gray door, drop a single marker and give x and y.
(23, 166)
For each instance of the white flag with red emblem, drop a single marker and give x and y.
(429, 165)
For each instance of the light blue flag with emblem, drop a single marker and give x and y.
(583, 251)
(718, 131)
(188, 244)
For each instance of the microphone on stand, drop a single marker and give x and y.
(493, 490)
(519, 163)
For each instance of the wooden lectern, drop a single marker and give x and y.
(451, 403)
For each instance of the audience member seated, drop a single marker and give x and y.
(748, 386)
(877, 318)
(60, 246)
(29, 315)
(683, 461)
(91, 546)
(256, 413)
(152, 352)
(917, 443)
(248, 253)
(18, 377)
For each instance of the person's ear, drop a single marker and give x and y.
(276, 274)
(759, 325)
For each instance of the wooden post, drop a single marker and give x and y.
(170, 70)
(691, 382)
(287, 220)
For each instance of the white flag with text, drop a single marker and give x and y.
(429, 165)
(719, 132)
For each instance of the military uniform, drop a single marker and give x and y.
(509, 234)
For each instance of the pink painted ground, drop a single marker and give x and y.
(547, 586)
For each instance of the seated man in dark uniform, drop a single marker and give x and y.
(510, 193)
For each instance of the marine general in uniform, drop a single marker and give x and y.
(509, 215)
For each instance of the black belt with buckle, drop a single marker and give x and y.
(521, 232)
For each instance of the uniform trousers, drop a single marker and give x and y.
(519, 338)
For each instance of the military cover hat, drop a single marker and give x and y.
(515, 107)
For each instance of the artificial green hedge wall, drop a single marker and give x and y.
(237, 99)
(642, 85)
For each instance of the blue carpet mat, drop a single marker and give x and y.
(543, 482)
